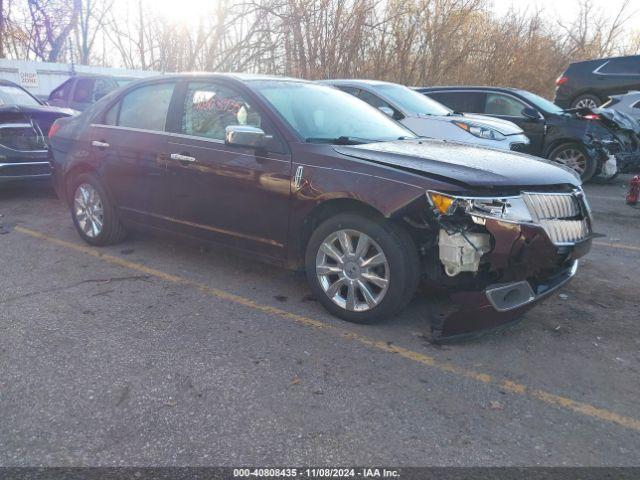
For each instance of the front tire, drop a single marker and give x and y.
(94, 216)
(362, 270)
(575, 157)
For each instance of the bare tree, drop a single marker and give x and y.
(52, 23)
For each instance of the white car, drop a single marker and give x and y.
(428, 118)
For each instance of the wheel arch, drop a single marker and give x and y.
(74, 171)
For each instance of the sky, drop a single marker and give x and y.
(564, 10)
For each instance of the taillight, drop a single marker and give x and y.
(54, 129)
(561, 80)
(591, 116)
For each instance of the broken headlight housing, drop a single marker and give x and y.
(510, 208)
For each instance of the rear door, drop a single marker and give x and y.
(130, 143)
(230, 194)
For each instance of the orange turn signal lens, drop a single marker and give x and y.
(441, 202)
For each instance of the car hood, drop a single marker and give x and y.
(464, 163)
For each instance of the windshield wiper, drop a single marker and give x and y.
(344, 140)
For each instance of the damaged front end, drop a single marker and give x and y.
(499, 255)
(619, 151)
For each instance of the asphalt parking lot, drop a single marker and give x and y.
(162, 352)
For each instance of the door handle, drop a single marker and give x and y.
(98, 144)
(182, 158)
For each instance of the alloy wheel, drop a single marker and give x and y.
(586, 103)
(88, 210)
(572, 158)
(352, 270)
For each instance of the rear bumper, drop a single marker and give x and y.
(25, 166)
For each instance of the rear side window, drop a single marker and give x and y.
(146, 107)
(621, 66)
(84, 90)
(470, 102)
(499, 104)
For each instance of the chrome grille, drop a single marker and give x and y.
(562, 215)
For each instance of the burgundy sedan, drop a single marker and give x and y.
(307, 176)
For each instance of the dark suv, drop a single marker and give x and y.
(589, 84)
(307, 176)
(82, 91)
(553, 133)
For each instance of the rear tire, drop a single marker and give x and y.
(586, 101)
(94, 215)
(576, 157)
(373, 282)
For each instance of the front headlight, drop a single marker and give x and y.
(480, 131)
(512, 209)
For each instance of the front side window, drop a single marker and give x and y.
(373, 100)
(61, 92)
(411, 101)
(322, 114)
(146, 107)
(102, 87)
(498, 104)
(84, 90)
(210, 108)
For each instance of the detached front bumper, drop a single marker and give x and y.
(530, 268)
(24, 166)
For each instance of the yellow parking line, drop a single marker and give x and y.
(618, 245)
(504, 384)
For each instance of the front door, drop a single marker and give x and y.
(509, 108)
(230, 194)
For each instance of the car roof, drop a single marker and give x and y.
(355, 81)
(471, 87)
(100, 75)
(517, 91)
(240, 77)
(604, 59)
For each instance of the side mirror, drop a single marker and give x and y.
(387, 111)
(531, 113)
(245, 136)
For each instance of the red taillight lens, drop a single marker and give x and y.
(591, 116)
(54, 129)
(561, 80)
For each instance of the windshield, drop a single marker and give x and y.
(319, 113)
(10, 95)
(542, 103)
(411, 101)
